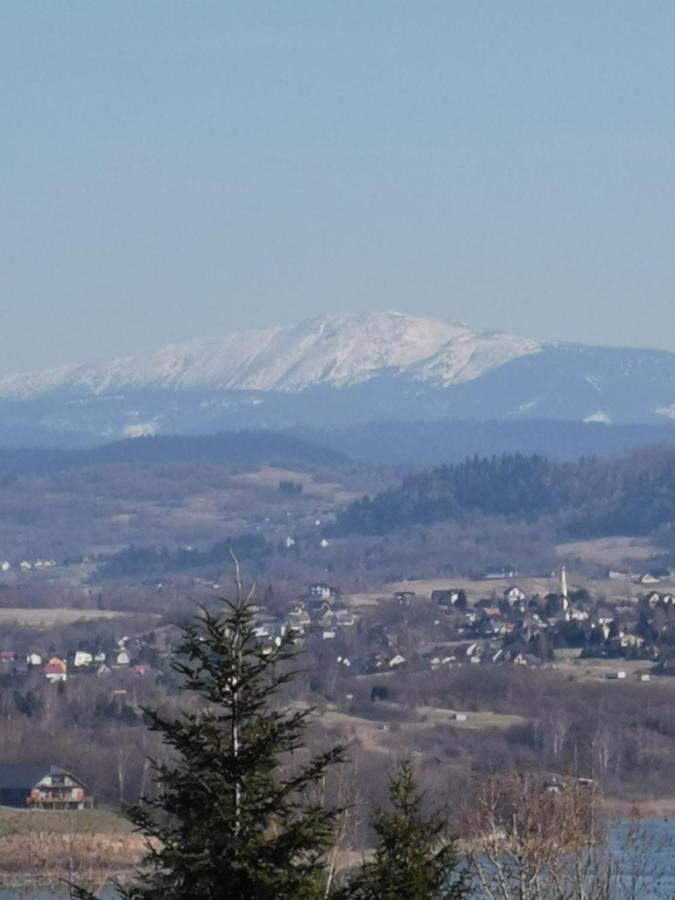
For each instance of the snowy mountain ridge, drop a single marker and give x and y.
(332, 350)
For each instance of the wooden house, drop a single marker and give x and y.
(42, 786)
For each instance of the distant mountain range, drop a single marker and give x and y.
(338, 371)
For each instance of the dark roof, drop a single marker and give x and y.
(25, 776)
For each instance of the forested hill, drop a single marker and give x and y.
(226, 448)
(631, 495)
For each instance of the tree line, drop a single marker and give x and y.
(134, 560)
(634, 494)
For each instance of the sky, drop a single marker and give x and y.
(175, 170)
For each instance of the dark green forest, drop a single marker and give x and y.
(631, 495)
(135, 560)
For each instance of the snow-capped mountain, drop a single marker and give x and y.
(338, 371)
(338, 351)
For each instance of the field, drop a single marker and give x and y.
(613, 552)
(87, 821)
(49, 618)
(87, 846)
(373, 735)
(268, 477)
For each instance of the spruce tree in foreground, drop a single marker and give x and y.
(413, 859)
(224, 823)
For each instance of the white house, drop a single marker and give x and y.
(648, 578)
(514, 595)
(82, 659)
(320, 590)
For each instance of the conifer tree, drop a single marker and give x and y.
(413, 860)
(224, 822)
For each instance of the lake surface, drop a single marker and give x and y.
(649, 851)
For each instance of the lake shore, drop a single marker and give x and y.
(647, 808)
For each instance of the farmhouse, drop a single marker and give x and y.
(42, 786)
(514, 595)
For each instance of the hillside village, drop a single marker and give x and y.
(509, 627)
(450, 628)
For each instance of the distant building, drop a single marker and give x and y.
(648, 578)
(42, 786)
(618, 575)
(514, 595)
(56, 670)
(494, 572)
(321, 591)
(82, 659)
(405, 597)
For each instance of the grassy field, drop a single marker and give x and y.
(373, 734)
(41, 821)
(476, 721)
(268, 477)
(48, 618)
(612, 552)
(567, 663)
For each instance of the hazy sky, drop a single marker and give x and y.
(179, 168)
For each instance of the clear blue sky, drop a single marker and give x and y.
(174, 169)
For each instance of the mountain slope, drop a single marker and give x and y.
(332, 350)
(338, 371)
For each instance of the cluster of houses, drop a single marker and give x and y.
(320, 611)
(27, 565)
(510, 627)
(527, 629)
(56, 667)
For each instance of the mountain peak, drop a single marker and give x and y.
(337, 350)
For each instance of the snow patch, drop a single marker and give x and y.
(332, 350)
(599, 416)
(140, 430)
(594, 382)
(523, 408)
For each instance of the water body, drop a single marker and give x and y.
(642, 860)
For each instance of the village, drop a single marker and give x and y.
(563, 627)
(452, 626)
